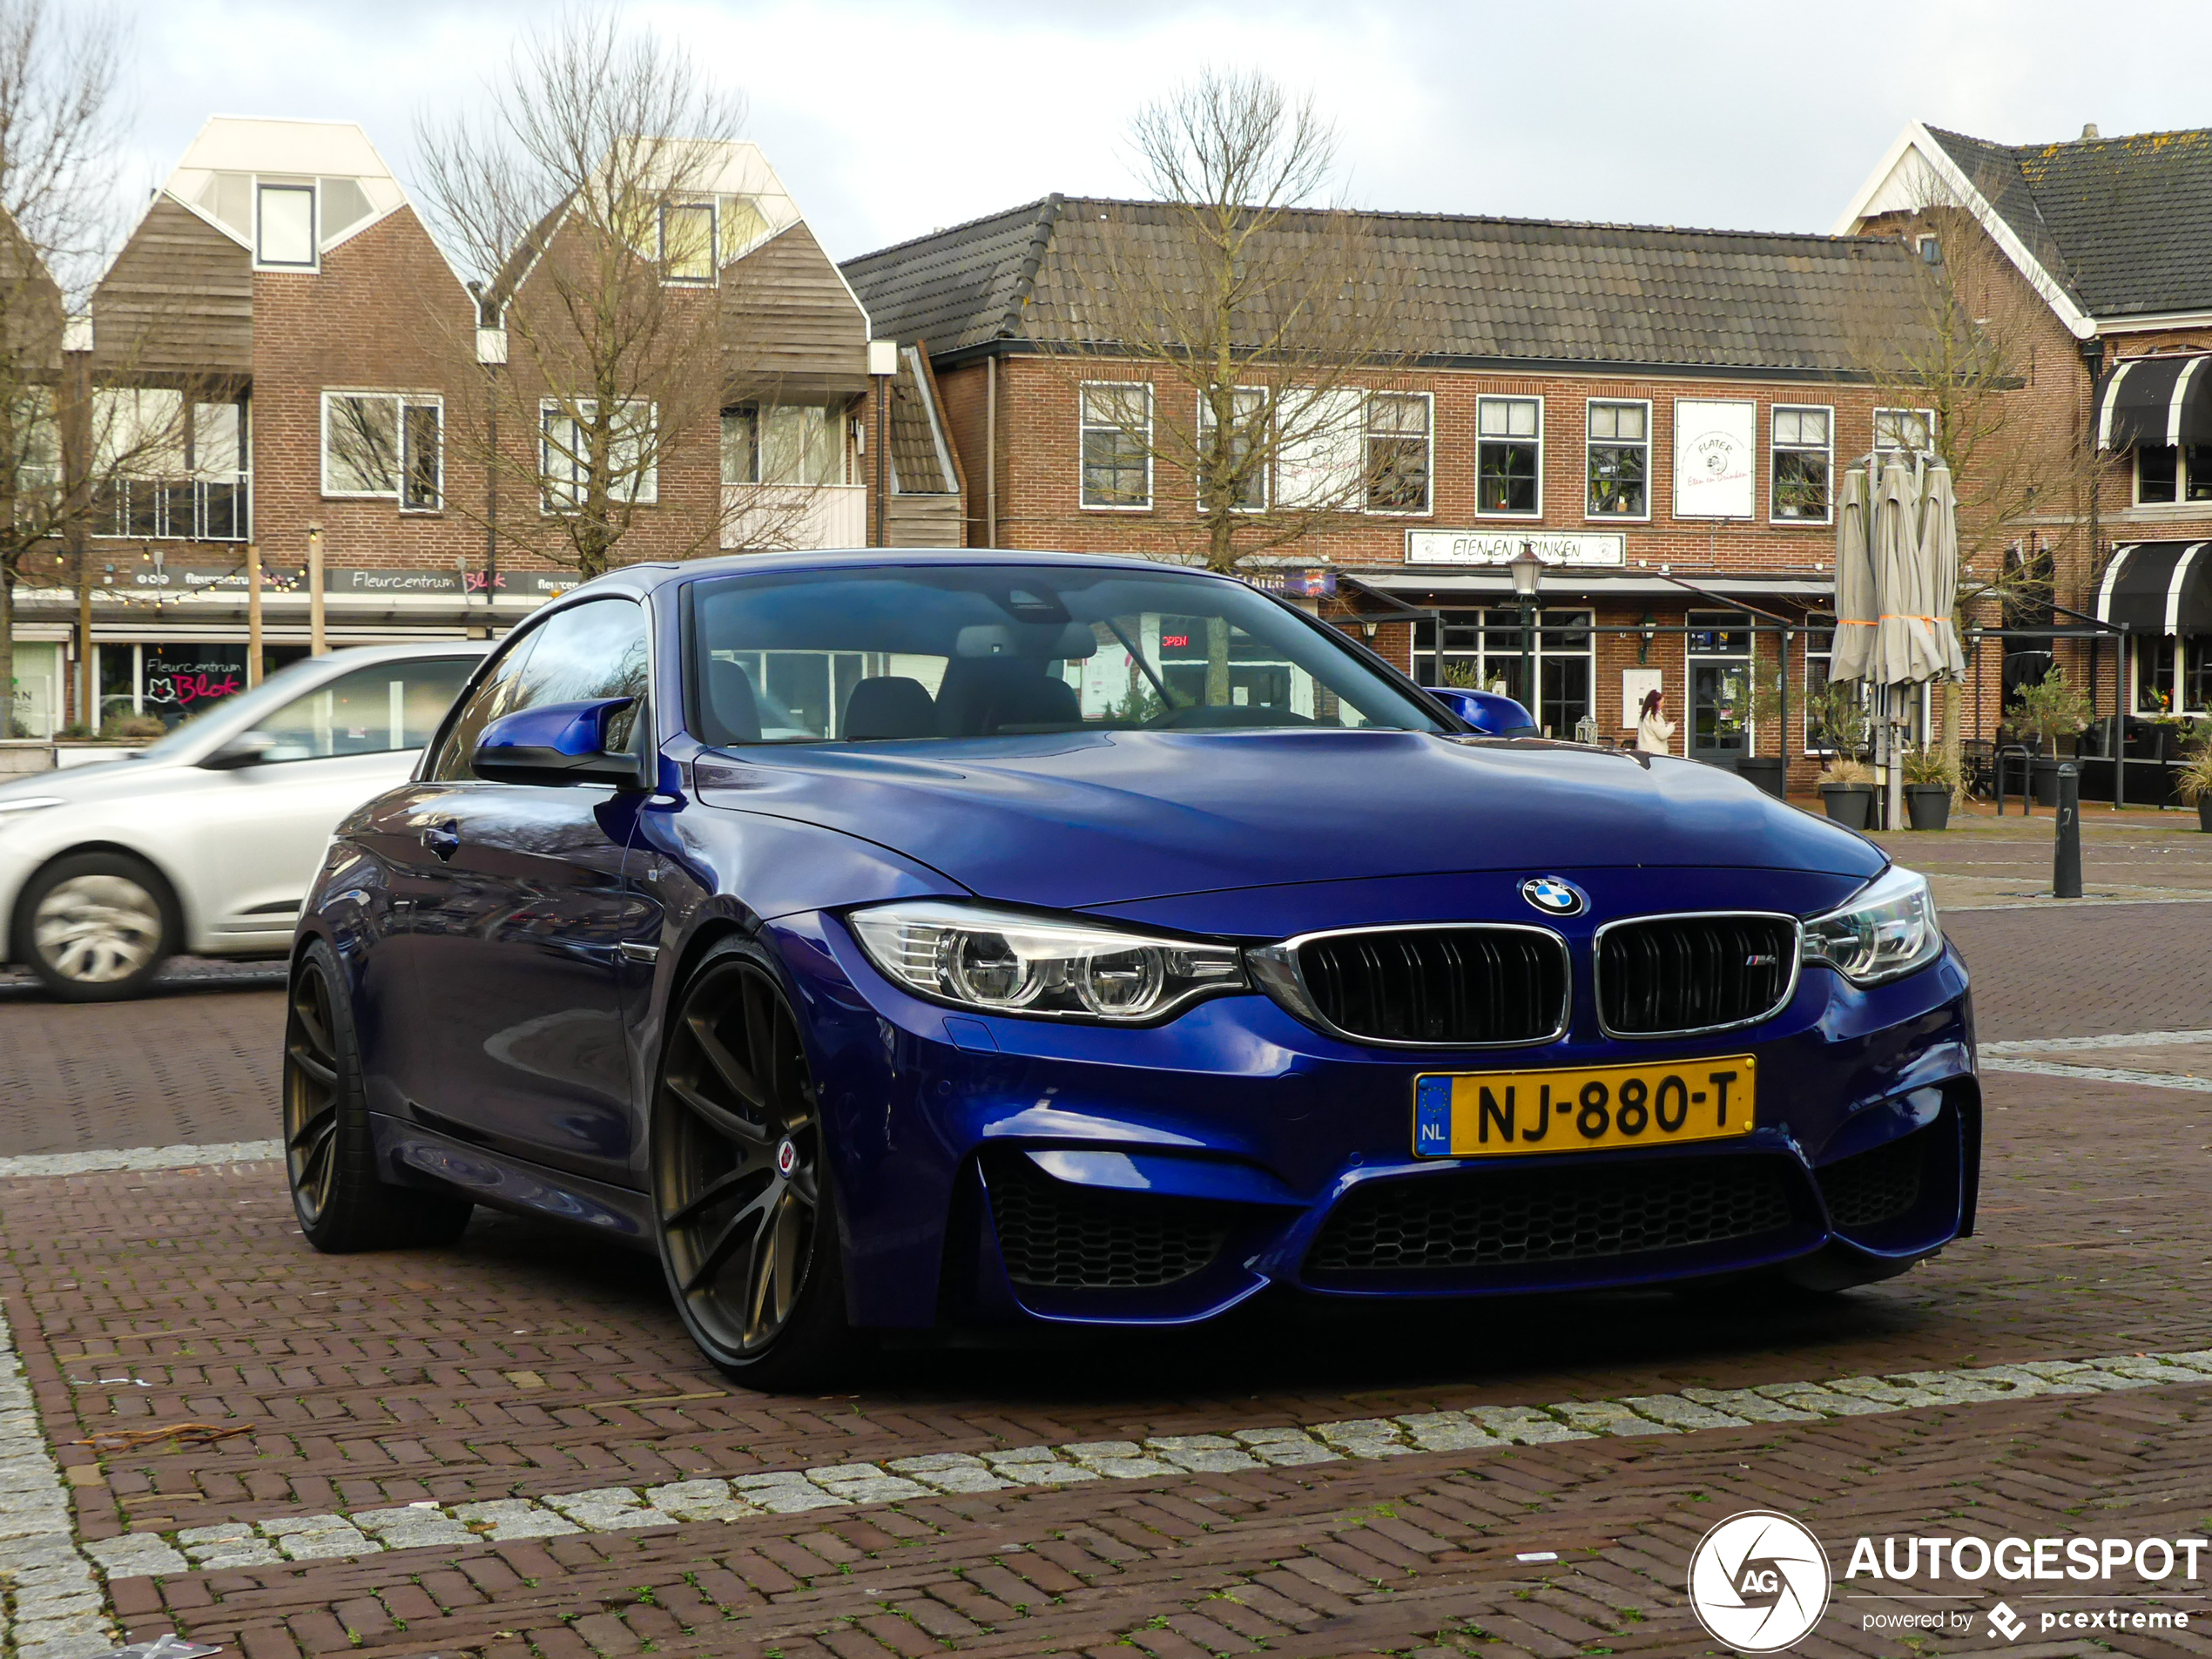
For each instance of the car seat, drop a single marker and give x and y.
(888, 705)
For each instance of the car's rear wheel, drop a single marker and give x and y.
(329, 1157)
(745, 1207)
(95, 926)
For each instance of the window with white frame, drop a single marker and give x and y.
(1248, 415)
(572, 438)
(1619, 443)
(687, 241)
(2166, 474)
(1116, 445)
(1805, 454)
(1508, 456)
(1399, 430)
(1904, 431)
(782, 443)
(169, 468)
(389, 444)
(284, 226)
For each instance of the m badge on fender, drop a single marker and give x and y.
(1554, 896)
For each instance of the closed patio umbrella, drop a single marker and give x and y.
(1939, 558)
(1855, 613)
(1904, 651)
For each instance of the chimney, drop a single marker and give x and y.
(2089, 130)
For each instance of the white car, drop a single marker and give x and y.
(206, 840)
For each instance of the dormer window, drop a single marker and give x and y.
(284, 227)
(687, 242)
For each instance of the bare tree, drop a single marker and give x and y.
(586, 207)
(58, 68)
(1974, 337)
(1258, 313)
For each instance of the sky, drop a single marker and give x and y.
(887, 121)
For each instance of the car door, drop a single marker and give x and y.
(518, 912)
(257, 832)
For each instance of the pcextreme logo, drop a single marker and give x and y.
(1758, 1582)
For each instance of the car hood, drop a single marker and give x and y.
(103, 780)
(1091, 818)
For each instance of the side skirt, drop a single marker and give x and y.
(410, 1155)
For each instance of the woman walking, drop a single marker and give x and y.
(1654, 730)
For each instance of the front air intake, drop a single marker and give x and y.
(1060, 1236)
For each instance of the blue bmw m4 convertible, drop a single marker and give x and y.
(897, 941)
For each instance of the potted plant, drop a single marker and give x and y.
(119, 736)
(1928, 786)
(2051, 708)
(1762, 695)
(1847, 792)
(2192, 783)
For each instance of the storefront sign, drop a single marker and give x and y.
(1502, 547)
(1717, 453)
(1294, 585)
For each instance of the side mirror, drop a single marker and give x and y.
(246, 749)
(558, 743)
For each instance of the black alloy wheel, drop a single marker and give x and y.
(741, 1187)
(329, 1156)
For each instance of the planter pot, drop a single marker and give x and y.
(2043, 774)
(1850, 805)
(1764, 771)
(1927, 806)
(95, 754)
(2204, 814)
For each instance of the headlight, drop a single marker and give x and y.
(1888, 930)
(1004, 962)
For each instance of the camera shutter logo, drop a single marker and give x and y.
(1758, 1582)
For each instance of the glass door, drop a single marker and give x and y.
(1719, 648)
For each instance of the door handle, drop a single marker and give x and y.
(442, 838)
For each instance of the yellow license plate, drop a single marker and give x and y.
(1503, 1114)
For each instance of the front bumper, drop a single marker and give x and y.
(1009, 1168)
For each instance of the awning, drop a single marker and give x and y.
(2158, 587)
(2155, 403)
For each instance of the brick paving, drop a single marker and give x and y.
(523, 1364)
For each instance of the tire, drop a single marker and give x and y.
(329, 1158)
(744, 1210)
(95, 926)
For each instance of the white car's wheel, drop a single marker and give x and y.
(95, 926)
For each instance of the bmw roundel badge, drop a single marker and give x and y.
(1554, 896)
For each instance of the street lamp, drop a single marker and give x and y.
(1528, 572)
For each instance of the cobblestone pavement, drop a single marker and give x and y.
(1440, 1504)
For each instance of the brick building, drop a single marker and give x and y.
(2105, 239)
(1659, 415)
(314, 366)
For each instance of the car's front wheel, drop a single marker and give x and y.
(329, 1154)
(745, 1206)
(95, 926)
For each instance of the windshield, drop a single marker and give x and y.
(901, 652)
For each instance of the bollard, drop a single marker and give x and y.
(2066, 858)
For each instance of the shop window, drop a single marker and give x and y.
(1248, 415)
(782, 443)
(2197, 673)
(1116, 445)
(1620, 461)
(1398, 451)
(387, 444)
(1509, 465)
(284, 232)
(2155, 680)
(1482, 649)
(1804, 460)
(628, 464)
